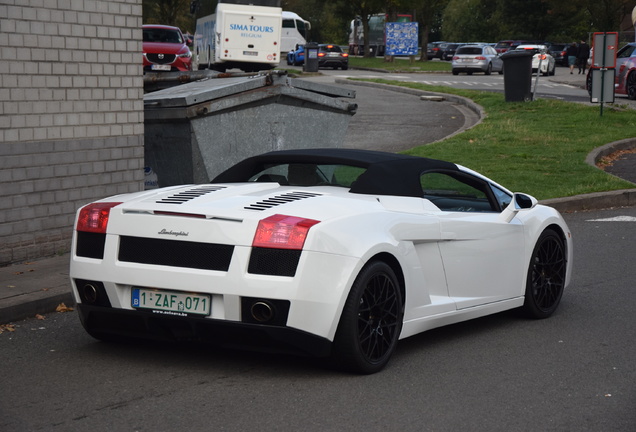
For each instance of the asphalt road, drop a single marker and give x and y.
(572, 372)
(394, 122)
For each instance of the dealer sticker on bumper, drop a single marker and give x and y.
(171, 302)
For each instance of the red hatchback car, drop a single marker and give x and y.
(165, 49)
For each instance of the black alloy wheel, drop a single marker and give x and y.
(546, 276)
(371, 321)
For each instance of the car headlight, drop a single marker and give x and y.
(185, 55)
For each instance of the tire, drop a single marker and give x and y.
(488, 70)
(455, 72)
(546, 276)
(630, 85)
(371, 321)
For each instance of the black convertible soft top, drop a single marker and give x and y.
(386, 173)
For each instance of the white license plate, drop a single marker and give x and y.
(171, 302)
(161, 67)
(250, 53)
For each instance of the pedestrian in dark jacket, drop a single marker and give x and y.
(583, 55)
(572, 53)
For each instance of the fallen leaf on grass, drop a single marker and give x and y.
(40, 317)
(63, 308)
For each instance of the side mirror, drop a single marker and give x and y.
(519, 202)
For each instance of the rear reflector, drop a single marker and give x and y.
(94, 217)
(282, 232)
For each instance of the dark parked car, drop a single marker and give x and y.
(433, 50)
(559, 52)
(507, 45)
(448, 50)
(332, 56)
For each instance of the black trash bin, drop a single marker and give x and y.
(311, 57)
(517, 75)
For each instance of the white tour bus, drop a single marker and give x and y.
(295, 31)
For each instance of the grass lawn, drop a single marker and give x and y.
(401, 64)
(536, 147)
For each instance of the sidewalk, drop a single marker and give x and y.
(34, 287)
(39, 286)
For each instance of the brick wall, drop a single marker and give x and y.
(71, 116)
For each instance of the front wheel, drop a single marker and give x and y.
(488, 70)
(371, 321)
(546, 276)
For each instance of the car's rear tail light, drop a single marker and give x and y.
(344, 55)
(282, 232)
(542, 56)
(321, 54)
(94, 217)
(480, 58)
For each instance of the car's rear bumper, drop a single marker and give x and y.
(470, 68)
(112, 323)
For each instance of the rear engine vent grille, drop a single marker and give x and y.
(280, 199)
(175, 253)
(90, 245)
(273, 262)
(182, 197)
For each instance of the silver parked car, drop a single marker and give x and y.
(476, 58)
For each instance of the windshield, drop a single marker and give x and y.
(162, 35)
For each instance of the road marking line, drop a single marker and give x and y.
(615, 219)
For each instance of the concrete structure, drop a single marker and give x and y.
(195, 131)
(71, 116)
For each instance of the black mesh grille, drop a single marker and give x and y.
(90, 245)
(175, 253)
(161, 58)
(273, 262)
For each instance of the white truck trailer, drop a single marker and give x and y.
(246, 37)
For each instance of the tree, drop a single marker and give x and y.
(168, 12)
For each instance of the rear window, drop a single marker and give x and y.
(468, 50)
(330, 48)
(308, 174)
(503, 45)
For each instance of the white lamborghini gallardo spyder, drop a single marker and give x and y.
(327, 252)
